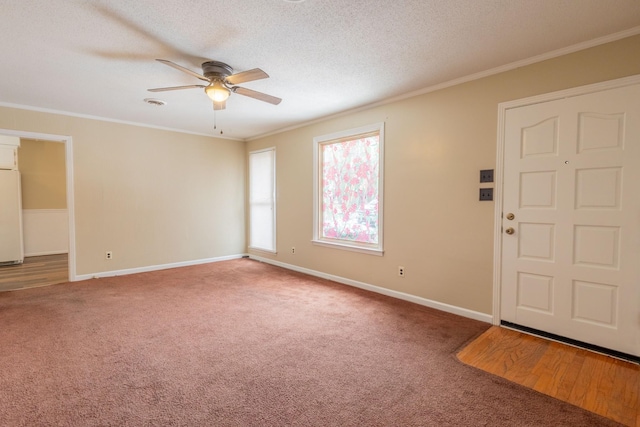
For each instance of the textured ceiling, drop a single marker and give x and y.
(96, 58)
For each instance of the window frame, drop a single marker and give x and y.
(273, 200)
(318, 142)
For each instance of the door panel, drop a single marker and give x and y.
(572, 183)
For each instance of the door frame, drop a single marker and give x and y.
(68, 143)
(503, 107)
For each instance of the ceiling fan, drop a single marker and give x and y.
(221, 82)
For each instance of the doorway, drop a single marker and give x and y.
(566, 221)
(29, 273)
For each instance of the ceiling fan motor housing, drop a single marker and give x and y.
(215, 69)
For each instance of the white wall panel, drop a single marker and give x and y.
(46, 231)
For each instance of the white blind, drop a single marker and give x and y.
(261, 200)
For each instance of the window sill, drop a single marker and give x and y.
(346, 247)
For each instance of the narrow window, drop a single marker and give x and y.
(348, 172)
(262, 208)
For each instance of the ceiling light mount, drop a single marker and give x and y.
(216, 70)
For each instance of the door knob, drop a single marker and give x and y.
(510, 230)
(510, 216)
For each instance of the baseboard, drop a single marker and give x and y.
(476, 315)
(45, 253)
(155, 267)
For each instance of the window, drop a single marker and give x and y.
(348, 172)
(262, 207)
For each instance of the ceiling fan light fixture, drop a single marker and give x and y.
(217, 91)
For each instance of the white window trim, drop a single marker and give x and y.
(354, 247)
(273, 202)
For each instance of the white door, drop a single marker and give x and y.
(572, 183)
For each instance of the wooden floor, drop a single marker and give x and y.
(597, 383)
(35, 271)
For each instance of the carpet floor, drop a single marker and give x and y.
(242, 343)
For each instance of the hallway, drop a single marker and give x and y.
(35, 271)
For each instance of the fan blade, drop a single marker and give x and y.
(164, 89)
(219, 105)
(256, 95)
(184, 70)
(247, 76)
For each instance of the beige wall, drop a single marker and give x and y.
(151, 196)
(43, 174)
(435, 146)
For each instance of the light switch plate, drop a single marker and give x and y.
(486, 175)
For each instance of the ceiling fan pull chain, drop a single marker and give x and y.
(214, 121)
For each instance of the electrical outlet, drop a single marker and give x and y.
(400, 271)
(293, 250)
(486, 175)
(109, 255)
(486, 194)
